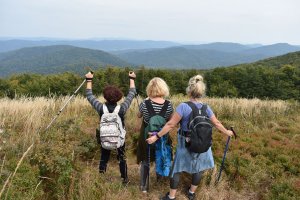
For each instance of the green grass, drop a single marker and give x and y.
(262, 163)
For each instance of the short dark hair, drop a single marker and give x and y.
(112, 94)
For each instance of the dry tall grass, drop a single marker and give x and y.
(20, 120)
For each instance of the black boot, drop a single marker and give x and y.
(190, 195)
(125, 181)
(166, 197)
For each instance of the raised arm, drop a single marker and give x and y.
(89, 93)
(131, 93)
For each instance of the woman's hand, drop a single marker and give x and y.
(131, 74)
(152, 139)
(229, 133)
(89, 75)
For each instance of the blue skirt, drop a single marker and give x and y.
(186, 161)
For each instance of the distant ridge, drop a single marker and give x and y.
(105, 45)
(55, 59)
(272, 50)
(180, 57)
(220, 46)
(204, 56)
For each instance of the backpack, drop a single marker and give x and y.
(199, 129)
(112, 132)
(163, 150)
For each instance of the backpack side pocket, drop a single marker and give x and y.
(98, 136)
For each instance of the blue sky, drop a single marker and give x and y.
(252, 21)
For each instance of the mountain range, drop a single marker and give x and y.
(204, 56)
(55, 59)
(48, 58)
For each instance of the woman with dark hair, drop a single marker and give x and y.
(112, 95)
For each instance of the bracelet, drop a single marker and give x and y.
(132, 78)
(88, 79)
(157, 136)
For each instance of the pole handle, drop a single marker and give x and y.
(234, 133)
(89, 69)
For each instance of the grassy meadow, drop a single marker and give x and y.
(62, 163)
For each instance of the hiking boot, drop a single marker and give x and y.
(166, 197)
(143, 189)
(190, 196)
(125, 181)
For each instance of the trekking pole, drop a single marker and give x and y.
(148, 160)
(74, 93)
(225, 151)
(137, 99)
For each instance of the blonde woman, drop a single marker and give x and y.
(185, 160)
(155, 104)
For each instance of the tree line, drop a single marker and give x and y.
(244, 81)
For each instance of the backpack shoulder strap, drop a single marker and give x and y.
(164, 108)
(117, 109)
(149, 108)
(204, 110)
(105, 110)
(195, 109)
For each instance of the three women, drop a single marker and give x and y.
(185, 161)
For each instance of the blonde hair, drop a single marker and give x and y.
(157, 87)
(196, 87)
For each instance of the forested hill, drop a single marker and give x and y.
(185, 57)
(205, 56)
(54, 59)
(287, 59)
(275, 78)
(59, 58)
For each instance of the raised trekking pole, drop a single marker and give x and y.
(71, 97)
(225, 151)
(137, 99)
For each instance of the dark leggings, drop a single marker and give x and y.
(174, 181)
(105, 154)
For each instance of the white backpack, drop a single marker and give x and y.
(112, 132)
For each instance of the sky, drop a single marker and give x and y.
(202, 21)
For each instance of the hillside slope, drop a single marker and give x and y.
(272, 50)
(54, 59)
(278, 61)
(262, 163)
